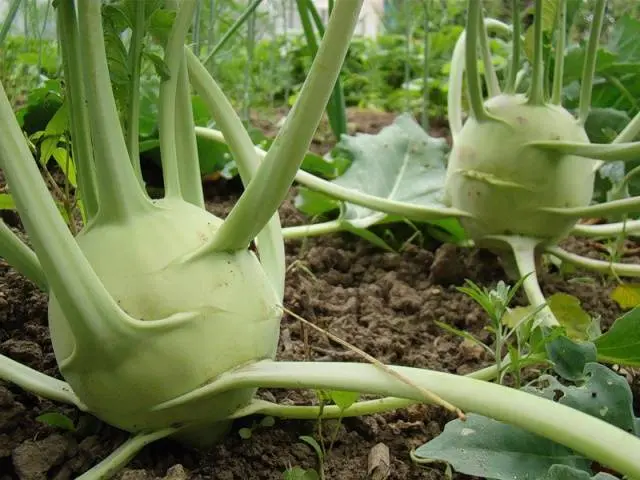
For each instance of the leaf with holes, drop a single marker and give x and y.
(604, 394)
(486, 448)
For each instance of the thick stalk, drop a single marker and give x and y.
(476, 101)
(21, 257)
(232, 30)
(269, 240)
(8, 21)
(456, 75)
(630, 132)
(514, 64)
(410, 210)
(38, 383)
(629, 227)
(493, 86)
(590, 61)
(626, 205)
(613, 152)
(602, 266)
(536, 92)
(266, 192)
(173, 56)
(524, 250)
(586, 434)
(120, 196)
(133, 114)
(558, 71)
(76, 95)
(124, 454)
(186, 142)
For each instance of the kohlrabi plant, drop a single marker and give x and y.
(164, 319)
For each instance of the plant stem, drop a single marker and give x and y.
(174, 54)
(493, 86)
(21, 257)
(476, 102)
(8, 21)
(627, 205)
(410, 210)
(133, 114)
(524, 253)
(232, 30)
(536, 92)
(590, 61)
(314, 230)
(124, 454)
(426, 4)
(514, 65)
(621, 269)
(630, 227)
(269, 241)
(586, 434)
(76, 94)
(186, 142)
(625, 152)
(558, 71)
(120, 196)
(38, 383)
(263, 196)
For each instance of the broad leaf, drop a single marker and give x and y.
(604, 394)
(401, 163)
(621, 343)
(570, 315)
(570, 358)
(563, 472)
(486, 448)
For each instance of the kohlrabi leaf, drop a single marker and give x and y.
(401, 163)
(569, 358)
(563, 472)
(624, 39)
(604, 124)
(486, 448)
(160, 67)
(621, 343)
(604, 394)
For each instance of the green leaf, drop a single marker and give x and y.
(569, 358)
(624, 39)
(549, 9)
(344, 399)
(312, 442)
(6, 202)
(604, 394)
(57, 420)
(160, 23)
(621, 343)
(299, 473)
(486, 448)
(400, 163)
(64, 161)
(314, 203)
(160, 67)
(563, 472)
(604, 124)
(570, 315)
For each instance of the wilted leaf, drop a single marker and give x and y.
(379, 463)
(627, 295)
(570, 315)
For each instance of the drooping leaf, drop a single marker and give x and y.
(401, 163)
(627, 295)
(486, 448)
(621, 343)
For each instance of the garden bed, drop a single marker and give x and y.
(384, 303)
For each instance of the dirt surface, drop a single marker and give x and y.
(385, 303)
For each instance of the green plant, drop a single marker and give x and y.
(150, 319)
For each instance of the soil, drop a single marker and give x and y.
(384, 303)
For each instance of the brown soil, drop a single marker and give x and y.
(385, 303)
